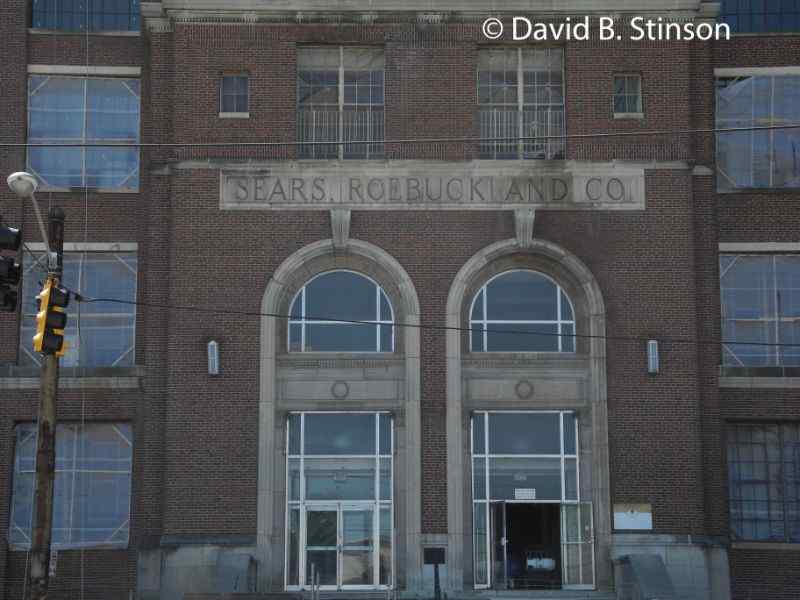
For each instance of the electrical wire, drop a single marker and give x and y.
(451, 140)
(424, 326)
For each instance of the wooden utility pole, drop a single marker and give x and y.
(46, 439)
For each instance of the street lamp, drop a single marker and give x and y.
(25, 185)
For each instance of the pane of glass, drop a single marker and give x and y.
(340, 479)
(479, 478)
(321, 529)
(112, 110)
(295, 337)
(479, 542)
(568, 338)
(57, 167)
(386, 311)
(385, 550)
(478, 437)
(294, 433)
(340, 337)
(357, 528)
(619, 104)
(569, 433)
(357, 567)
(524, 433)
(55, 107)
(476, 339)
(566, 308)
(619, 85)
(477, 307)
(387, 332)
(521, 337)
(512, 477)
(109, 167)
(570, 479)
(386, 479)
(385, 433)
(293, 562)
(340, 433)
(341, 295)
(521, 295)
(324, 561)
(294, 479)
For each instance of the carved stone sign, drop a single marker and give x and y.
(436, 186)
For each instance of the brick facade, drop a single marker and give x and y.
(196, 448)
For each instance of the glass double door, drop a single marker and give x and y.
(340, 546)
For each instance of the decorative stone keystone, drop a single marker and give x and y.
(523, 221)
(340, 226)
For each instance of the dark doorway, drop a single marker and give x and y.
(526, 546)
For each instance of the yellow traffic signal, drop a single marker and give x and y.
(51, 319)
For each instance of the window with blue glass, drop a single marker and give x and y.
(84, 110)
(755, 16)
(83, 15)
(753, 158)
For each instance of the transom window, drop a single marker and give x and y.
(80, 15)
(108, 329)
(758, 159)
(92, 495)
(521, 95)
(84, 110)
(764, 481)
(340, 99)
(522, 311)
(761, 305)
(323, 310)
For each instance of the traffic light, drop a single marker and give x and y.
(10, 239)
(51, 319)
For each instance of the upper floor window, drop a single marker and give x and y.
(80, 15)
(107, 329)
(522, 311)
(340, 99)
(324, 310)
(764, 481)
(233, 94)
(84, 110)
(627, 95)
(92, 495)
(758, 159)
(745, 16)
(760, 305)
(520, 98)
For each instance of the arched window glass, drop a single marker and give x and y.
(513, 307)
(321, 309)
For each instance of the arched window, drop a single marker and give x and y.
(322, 307)
(515, 305)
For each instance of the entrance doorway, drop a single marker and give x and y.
(527, 546)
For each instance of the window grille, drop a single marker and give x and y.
(340, 99)
(521, 95)
(522, 301)
(764, 481)
(108, 329)
(84, 110)
(760, 300)
(758, 159)
(80, 15)
(91, 500)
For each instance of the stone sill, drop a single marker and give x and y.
(234, 115)
(91, 190)
(765, 546)
(635, 116)
(13, 377)
(759, 382)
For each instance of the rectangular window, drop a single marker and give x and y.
(92, 496)
(756, 16)
(340, 100)
(521, 103)
(84, 110)
(764, 481)
(760, 301)
(107, 329)
(627, 95)
(758, 159)
(80, 15)
(234, 94)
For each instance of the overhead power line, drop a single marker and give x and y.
(423, 326)
(402, 141)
